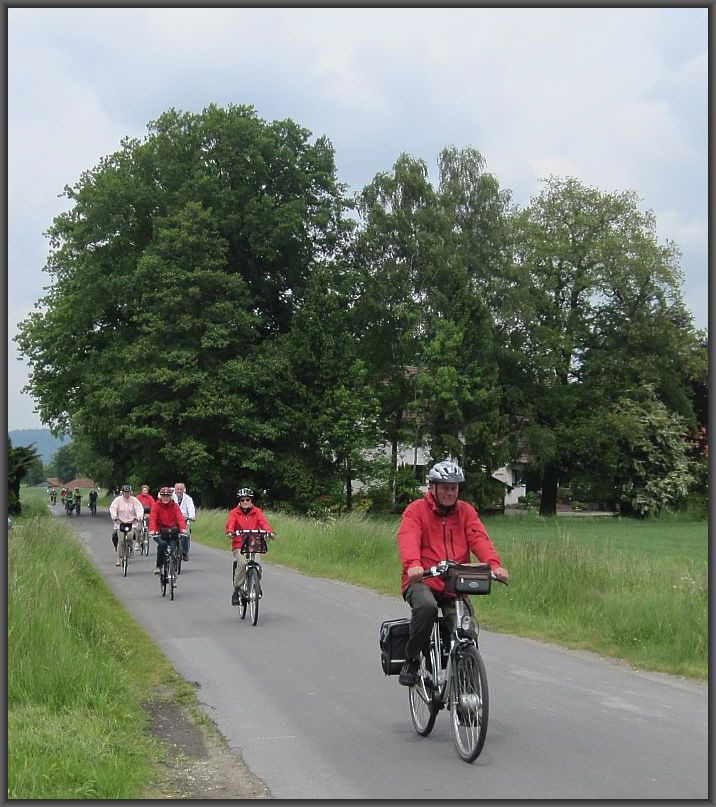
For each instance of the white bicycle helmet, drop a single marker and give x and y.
(446, 471)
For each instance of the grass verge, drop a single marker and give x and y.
(628, 589)
(79, 670)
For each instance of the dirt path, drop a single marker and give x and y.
(198, 763)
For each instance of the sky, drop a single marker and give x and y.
(616, 97)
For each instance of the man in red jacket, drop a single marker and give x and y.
(244, 517)
(165, 517)
(437, 527)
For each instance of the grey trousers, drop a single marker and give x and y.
(424, 603)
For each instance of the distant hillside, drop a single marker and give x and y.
(45, 443)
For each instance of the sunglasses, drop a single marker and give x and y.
(245, 500)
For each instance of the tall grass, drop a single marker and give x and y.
(633, 590)
(78, 669)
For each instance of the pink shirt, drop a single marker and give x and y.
(126, 510)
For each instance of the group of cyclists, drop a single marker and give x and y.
(72, 499)
(435, 527)
(169, 518)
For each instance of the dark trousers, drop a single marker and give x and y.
(424, 603)
(162, 541)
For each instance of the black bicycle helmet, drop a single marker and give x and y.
(242, 492)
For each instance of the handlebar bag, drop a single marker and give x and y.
(469, 578)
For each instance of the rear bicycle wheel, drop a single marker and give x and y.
(423, 703)
(469, 703)
(252, 594)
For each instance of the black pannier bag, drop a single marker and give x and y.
(469, 578)
(392, 638)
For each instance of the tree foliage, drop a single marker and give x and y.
(214, 314)
(597, 311)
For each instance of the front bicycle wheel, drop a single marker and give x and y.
(172, 576)
(469, 703)
(423, 705)
(125, 557)
(252, 594)
(164, 577)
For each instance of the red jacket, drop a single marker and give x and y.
(425, 538)
(254, 519)
(165, 515)
(146, 499)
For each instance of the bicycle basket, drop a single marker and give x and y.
(468, 578)
(254, 542)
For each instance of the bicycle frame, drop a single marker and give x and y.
(457, 638)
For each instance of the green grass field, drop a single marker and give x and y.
(79, 670)
(635, 590)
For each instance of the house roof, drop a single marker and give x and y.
(80, 483)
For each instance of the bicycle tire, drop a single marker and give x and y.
(164, 577)
(177, 561)
(172, 575)
(469, 703)
(421, 698)
(252, 594)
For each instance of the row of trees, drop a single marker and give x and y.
(221, 310)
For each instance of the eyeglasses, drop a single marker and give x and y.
(246, 499)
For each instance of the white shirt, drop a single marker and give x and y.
(186, 505)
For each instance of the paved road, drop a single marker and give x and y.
(302, 696)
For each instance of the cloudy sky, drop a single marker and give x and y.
(615, 97)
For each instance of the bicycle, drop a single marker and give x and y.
(254, 543)
(69, 507)
(172, 560)
(92, 507)
(453, 674)
(127, 547)
(144, 537)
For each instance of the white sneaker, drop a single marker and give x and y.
(157, 570)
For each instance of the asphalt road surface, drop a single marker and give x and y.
(303, 698)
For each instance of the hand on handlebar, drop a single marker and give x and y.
(415, 573)
(501, 575)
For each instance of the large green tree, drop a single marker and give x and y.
(596, 312)
(182, 257)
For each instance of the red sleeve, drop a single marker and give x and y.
(153, 526)
(478, 539)
(263, 521)
(409, 534)
(230, 522)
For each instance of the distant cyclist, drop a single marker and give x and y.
(244, 517)
(77, 499)
(165, 522)
(92, 496)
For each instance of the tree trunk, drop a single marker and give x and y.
(349, 487)
(548, 503)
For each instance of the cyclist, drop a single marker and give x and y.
(126, 509)
(63, 494)
(437, 527)
(165, 515)
(246, 516)
(147, 500)
(93, 499)
(77, 498)
(186, 505)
